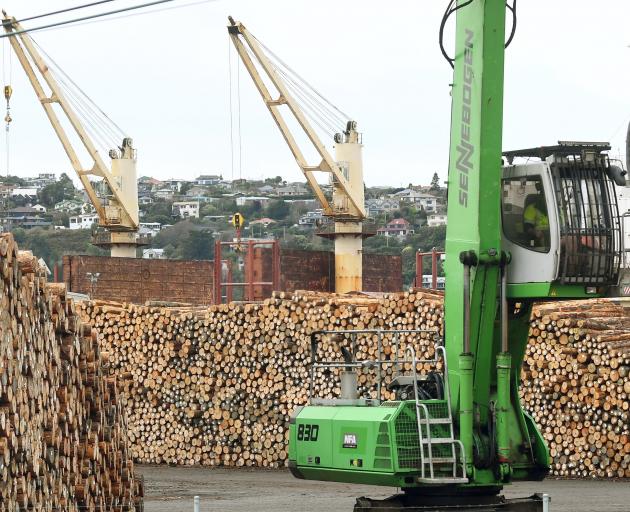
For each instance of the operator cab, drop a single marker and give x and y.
(560, 217)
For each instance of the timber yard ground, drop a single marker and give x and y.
(170, 489)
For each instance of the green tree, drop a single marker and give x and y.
(62, 189)
(198, 245)
(278, 209)
(435, 182)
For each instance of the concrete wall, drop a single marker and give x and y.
(139, 280)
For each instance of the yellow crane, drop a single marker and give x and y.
(116, 205)
(346, 170)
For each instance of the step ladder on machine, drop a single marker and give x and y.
(439, 450)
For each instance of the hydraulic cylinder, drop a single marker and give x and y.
(504, 365)
(466, 407)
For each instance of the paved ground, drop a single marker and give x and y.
(172, 490)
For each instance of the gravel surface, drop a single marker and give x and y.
(171, 489)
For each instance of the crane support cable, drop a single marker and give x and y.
(131, 14)
(304, 100)
(69, 9)
(84, 18)
(325, 106)
(288, 68)
(121, 132)
(319, 112)
(103, 129)
(312, 108)
(231, 113)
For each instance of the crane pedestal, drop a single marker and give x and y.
(122, 244)
(348, 238)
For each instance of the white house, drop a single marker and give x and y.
(42, 179)
(83, 221)
(149, 228)
(311, 218)
(164, 193)
(208, 179)
(68, 205)
(153, 254)
(24, 192)
(427, 201)
(186, 209)
(292, 190)
(242, 201)
(436, 220)
(39, 208)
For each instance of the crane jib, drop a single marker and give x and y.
(465, 149)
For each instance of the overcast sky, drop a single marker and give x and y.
(164, 78)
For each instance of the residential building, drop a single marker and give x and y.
(292, 190)
(427, 201)
(186, 209)
(427, 282)
(265, 221)
(68, 205)
(24, 216)
(5, 190)
(83, 221)
(396, 227)
(242, 201)
(153, 254)
(149, 228)
(312, 218)
(145, 200)
(24, 192)
(436, 220)
(208, 179)
(176, 185)
(196, 190)
(266, 189)
(148, 184)
(43, 179)
(165, 194)
(39, 208)
(376, 207)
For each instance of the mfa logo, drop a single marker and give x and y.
(349, 440)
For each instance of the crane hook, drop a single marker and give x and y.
(8, 91)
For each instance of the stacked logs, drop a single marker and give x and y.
(217, 386)
(62, 425)
(576, 384)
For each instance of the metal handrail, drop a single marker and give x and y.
(369, 363)
(426, 417)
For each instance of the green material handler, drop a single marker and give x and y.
(523, 226)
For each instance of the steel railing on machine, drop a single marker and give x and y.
(428, 413)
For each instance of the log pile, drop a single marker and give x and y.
(576, 384)
(217, 386)
(63, 444)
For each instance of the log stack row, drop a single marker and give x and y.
(576, 384)
(217, 386)
(63, 443)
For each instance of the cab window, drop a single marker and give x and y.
(524, 213)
